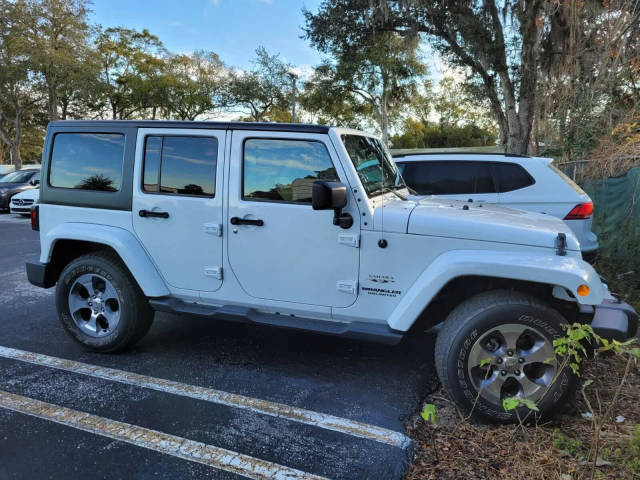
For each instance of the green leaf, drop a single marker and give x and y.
(511, 403)
(485, 361)
(429, 413)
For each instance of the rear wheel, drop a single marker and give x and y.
(100, 305)
(498, 345)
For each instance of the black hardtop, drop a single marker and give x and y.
(264, 126)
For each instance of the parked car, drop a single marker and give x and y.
(21, 202)
(287, 225)
(6, 170)
(515, 181)
(17, 182)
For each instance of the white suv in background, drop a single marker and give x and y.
(515, 181)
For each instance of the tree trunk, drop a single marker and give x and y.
(53, 100)
(17, 138)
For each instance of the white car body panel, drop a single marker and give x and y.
(122, 240)
(551, 194)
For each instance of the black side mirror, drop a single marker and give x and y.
(35, 182)
(331, 195)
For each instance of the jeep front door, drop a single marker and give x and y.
(280, 248)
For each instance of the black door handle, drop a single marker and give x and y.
(150, 213)
(245, 221)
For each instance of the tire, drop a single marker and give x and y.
(515, 332)
(119, 315)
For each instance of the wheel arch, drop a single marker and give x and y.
(490, 270)
(68, 241)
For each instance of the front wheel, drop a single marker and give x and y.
(100, 305)
(498, 345)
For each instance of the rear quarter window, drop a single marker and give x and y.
(511, 176)
(87, 161)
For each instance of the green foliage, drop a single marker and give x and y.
(429, 413)
(265, 87)
(572, 446)
(512, 403)
(416, 134)
(484, 362)
(572, 345)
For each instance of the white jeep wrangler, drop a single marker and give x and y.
(307, 227)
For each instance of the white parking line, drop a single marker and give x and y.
(308, 417)
(216, 457)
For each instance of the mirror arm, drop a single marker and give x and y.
(344, 220)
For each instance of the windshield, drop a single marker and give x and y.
(376, 169)
(17, 177)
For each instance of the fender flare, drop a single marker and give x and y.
(567, 272)
(123, 242)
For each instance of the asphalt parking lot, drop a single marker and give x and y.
(195, 398)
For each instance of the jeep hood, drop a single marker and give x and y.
(474, 221)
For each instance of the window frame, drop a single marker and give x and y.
(50, 161)
(159, 192)
(267, 200)
(486, 163)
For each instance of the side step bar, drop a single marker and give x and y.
(357, 330)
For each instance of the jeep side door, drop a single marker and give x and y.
(177, 205)
(279, 247)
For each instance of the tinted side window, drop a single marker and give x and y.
(87, 161)
(180, 165)
(511, 176)
(284, 170)
(449, 178)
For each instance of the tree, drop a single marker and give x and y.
(381, 71)
(131, 66)
(498, 44)
(17, 93)
(195, 84)
(263, 88)
(58, 37)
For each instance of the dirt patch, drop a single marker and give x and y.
(562, 449)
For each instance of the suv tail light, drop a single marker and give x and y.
(581, 211)
(35, 218)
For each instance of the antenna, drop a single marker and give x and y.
(382, 243)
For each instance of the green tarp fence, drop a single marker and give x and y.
(616, 218)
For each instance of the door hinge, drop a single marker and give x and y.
(213, 272)
(213, 229)
(351, 239)
(347, 286)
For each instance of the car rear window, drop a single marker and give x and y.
(571, 183)
(87, 161)
(448, 177)
(511, 176)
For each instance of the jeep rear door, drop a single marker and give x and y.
(177, 205)
(280, 248)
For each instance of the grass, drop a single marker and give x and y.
(562, 449)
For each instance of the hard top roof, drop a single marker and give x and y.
(275, 127)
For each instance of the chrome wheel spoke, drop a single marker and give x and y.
(76, 303)
(109, 293)
(492, 386)
(541, 352)
(92, 323)
(530, 389)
